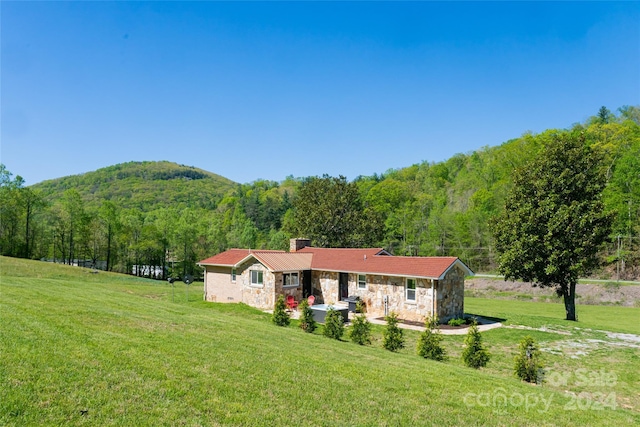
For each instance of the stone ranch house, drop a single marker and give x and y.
(413, 287)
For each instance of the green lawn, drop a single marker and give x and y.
(103, 349)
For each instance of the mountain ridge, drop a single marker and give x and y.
(142, 184)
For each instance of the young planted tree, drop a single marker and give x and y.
(360, 332)
(307, 323)
(528, 366)
(474, 355)
(392, 335)
(333, 324)
(554, 221)
(280, 316)
(430, 341)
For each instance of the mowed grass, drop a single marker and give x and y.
(103, 349)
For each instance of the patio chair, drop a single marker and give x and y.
(291, 303)
(311, 300)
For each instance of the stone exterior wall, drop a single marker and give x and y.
(325, 286)
(289, 290)
(450, 295)
(449, 291)
(259, 297)
(218, 286)
(394, 288)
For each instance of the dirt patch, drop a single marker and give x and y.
(541, 329)
(575, 348)
(590, 294)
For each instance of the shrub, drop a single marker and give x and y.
(307, 323)
(333, 324)
(360, 332)
(528, 366)
(361, 307)
(280, 316)
(429, 343)
(474, 354)
(456, 322)
(393, 338)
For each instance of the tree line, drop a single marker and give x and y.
(425, 209)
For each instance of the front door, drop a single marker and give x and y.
(343, 286)
(306, 283)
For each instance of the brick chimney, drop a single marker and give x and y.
(298, 243)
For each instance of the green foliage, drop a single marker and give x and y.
(144, 186)
(392, 335)
(456, 322)
(429, 343)
(280, 316)
(307, 323)
(528, 366)
(360, 332)
(333, 324)
(554, 221)
(604, 115)
(330, 212)
(474, 355)
(424, 209)
(21, 234)
(361, 307)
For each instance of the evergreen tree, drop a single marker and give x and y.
(360, 332)
(430, 341)
(333, 324)
(528, 366)
(393, 337)
(474, 355)
(280, 316)
(604, 115)
(307, 323)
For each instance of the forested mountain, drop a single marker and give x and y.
(162, 214)
(143, 185)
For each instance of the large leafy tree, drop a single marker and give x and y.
(554, 220)
(330, 212)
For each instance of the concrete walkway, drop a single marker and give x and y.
(483, 324)
(457, 331)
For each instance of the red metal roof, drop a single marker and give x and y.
(369, 260)
(231, 257)
(286, 261)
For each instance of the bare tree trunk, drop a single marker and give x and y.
(27, 249)
(71, 247)
(108, 247)
(569, 296)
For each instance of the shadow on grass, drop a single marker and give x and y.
(485, 320)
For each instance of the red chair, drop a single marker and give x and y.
(291, 303)
(311, 300)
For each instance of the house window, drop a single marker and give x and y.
(256, 278)
(362, 281)
(290, 280)
(411, 290)
(233, 275)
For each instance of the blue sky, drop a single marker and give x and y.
(266, 90)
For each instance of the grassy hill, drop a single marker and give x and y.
(82, 348)
(143, 185)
